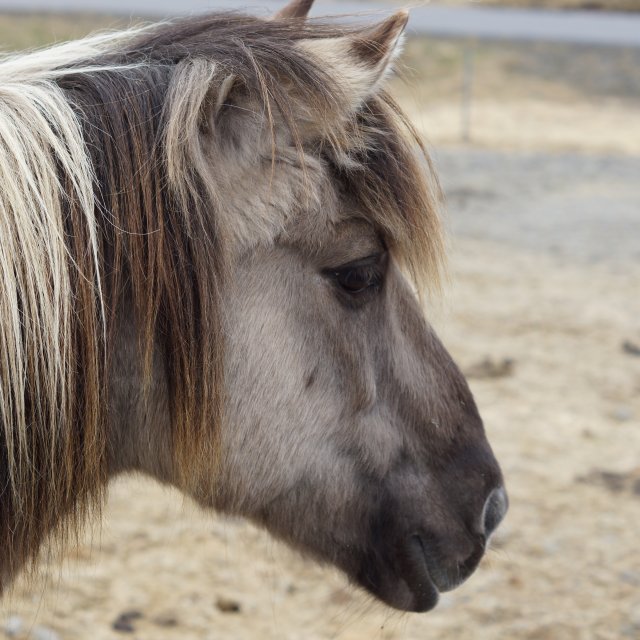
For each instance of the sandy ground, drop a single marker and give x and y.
(519, 123)
(564, 419)
(545, 274)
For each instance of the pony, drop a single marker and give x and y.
(217, 232)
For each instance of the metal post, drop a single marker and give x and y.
(468, 73)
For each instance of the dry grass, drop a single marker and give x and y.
(28, 30)
(509, 70)
(525, 95)
(592, 5)
(599, 5)
(555, 72)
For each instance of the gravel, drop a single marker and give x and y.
(583, 208)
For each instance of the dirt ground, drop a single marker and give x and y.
(543, 313)
(564, 420)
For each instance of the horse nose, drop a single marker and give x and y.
(494, 510)
(451, 561)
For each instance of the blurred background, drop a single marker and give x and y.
(533, 119)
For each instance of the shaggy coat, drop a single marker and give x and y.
(141, 174)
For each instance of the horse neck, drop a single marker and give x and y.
(138, 416)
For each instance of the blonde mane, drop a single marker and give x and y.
(105, 199)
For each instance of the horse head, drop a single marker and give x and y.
(247, 323)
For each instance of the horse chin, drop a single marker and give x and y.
(399, 595)
(401, 581)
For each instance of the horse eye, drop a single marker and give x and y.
(359, 277)
(356, 280)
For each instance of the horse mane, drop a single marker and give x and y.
(105, 200)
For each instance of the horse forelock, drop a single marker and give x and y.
(106, 197)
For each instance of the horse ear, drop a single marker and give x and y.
(295, 9)
(360, 61)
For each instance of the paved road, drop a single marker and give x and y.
(579, 27)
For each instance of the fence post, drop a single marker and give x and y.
(468, 73)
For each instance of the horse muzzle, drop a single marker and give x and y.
(409, 571)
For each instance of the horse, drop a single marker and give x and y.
(218, 236)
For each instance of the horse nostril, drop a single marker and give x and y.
(495, 509)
